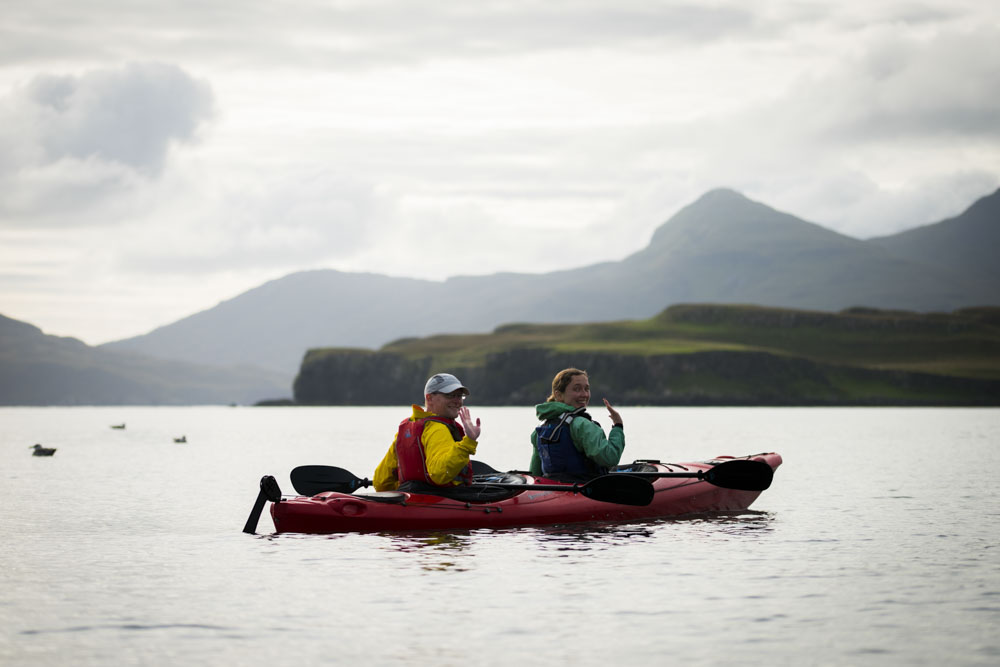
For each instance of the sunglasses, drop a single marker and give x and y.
(458, 393)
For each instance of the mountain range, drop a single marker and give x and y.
(39, 369)
(723, 248)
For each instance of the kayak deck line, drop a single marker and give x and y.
(489, 506)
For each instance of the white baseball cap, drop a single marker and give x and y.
(443, 383)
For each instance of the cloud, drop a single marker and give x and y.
(896, 136)
(917, 88)
(296, 218)
(70, 142)
(127, 116)
(359, 34)
(900, 131)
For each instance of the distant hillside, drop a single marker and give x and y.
(691, 355)
(38, 369)
(966, 244)
(723, 248)
(272, 326)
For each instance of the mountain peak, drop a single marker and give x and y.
(723, 204)
(987, 207)
(726, 219)
(721, 195)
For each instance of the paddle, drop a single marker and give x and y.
(310, 480)
(740, 474)
(619, 489)
(269, 490)
(480, 468)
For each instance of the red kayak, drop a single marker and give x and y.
(642, 490)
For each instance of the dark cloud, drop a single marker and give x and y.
(71, 141)
(129, 116)
(945, 86)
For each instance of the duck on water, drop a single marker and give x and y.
(42, 451)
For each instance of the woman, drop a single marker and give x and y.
(568, 444)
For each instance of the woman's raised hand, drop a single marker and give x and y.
(615, 417)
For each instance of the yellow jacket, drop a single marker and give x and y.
(445, 458)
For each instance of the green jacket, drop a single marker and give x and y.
(588, 436)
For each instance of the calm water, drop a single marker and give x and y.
(877, 544)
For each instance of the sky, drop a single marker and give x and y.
(158, 158)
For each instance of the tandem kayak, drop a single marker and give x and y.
(645, 489)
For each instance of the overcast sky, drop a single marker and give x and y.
(159, 157)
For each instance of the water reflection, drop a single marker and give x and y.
(741, 523)
(284, 537)
(433, 550)
(575, 536)
(436, 551)
(129, 627)
(589, 537)
(594, 537)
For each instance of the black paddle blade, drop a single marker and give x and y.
(310, 480)
(269, 486)
(269, 490)
(251, 524)
(480, 468)
(620, 489)
(742, 474)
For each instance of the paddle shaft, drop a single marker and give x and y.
(574, 488)
(310, 480)
(697, 475)
(621, 489)
(740, 474)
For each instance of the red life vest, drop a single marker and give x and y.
(410, 451)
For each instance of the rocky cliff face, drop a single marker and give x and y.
(359, 377)
(523, 377)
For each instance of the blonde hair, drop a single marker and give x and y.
(562, 380)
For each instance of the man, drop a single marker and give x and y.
(430, 453)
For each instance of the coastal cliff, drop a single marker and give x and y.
(691, 355)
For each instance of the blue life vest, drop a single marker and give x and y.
(558, 453)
